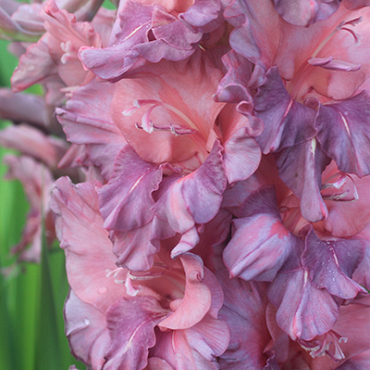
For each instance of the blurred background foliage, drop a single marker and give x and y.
(31, 295)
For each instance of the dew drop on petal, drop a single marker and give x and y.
(102, 290)
(86, 322)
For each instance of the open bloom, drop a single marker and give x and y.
(306, 89)
(112, 313)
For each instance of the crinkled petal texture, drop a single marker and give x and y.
(126, 198)
(175, 115)
(265, 39)
(86, 121)
(194, 199)
(131, 326)
(305, 12)
(182, 297)
(347, 218)
(152, 32)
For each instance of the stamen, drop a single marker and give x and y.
(147, 124)
(341, 196)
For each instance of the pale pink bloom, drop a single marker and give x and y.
(112, 307)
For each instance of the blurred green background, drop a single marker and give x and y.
(31, 296)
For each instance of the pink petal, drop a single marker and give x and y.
(131, 325)
(303, 310)
(197, 298)
(89, 256)
(261, 244)
(87, 332)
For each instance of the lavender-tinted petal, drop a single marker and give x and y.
(300, 167)
(86, 118)
(344, 134)
(259, 248)
(305, 12)
(287, 122)
(23, 108)
(87, 332)
(202, 13)
(356, 4)
(233, 88)
(303, 310)
(330, 264)
(131, 325)
(135, 249)
(244, 312)
(126, 199)
(195, 198)
(242, 156)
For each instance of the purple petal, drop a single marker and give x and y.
(125, 201)
(303, 310)
(361, 274)
(300, 167)
(305, 12)
(261, 244)
(233, 86)
(344, 134)
(86, 330)
(131, 46)
(355, 4)
(196, 198)
(287, 122)
(244, 311)
(131, 325)
(330, 264)
(204, 13)
(135, 249)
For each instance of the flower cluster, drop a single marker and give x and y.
(218, 216)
